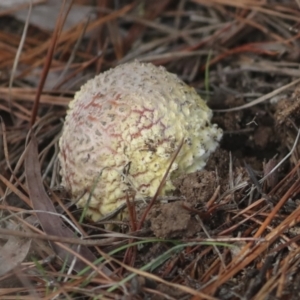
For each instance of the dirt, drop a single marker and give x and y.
(197, 187)
(178, 219)
(172, 220)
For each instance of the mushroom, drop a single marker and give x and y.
(122, 130)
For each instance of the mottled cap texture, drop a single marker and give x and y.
(122, 130)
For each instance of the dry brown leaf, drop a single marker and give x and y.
(13, 253)
(51, 223)
(44, 15)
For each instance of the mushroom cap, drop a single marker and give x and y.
(121, 131)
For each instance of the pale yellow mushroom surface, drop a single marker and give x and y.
(121, 131)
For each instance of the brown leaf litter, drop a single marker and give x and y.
(229, 231)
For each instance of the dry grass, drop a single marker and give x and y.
(249, 244)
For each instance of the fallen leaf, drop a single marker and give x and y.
(51, 223)
(13, 253)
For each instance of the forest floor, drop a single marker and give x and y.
(230, 231)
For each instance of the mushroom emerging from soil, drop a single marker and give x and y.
(121, 132)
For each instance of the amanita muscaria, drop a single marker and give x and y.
(121, 132)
